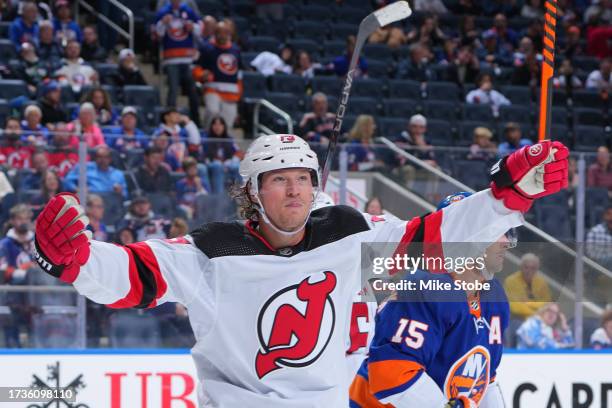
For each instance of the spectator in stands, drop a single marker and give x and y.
(491, 53)
(270, 9)
(514, 140)
(600, 173)
(101, 101)
(532, 9)
(13, 151)
(601, 339)
(316, 126)
(220, 156)
(129, 73)
(599, 240)
(471, 7)
(483, 146)
(66, 29)
(141, 219)
(527, 290)
(178, 228)
(101, 176)
(151, 176)
(25, 28)
(413, 140)
(92, 51)
(341, 63)
(599, 34)
(572, 46)
(126, 136)
(50, 105)
(15, 264)
(182, 133)
(31, 69)
(209, 25)
(598, 10)
(566, 79)
(392, 35)
(87, 125)
(179, 27)
(304, 66)
(545, 330)
(32, 180)
(526, 64)
(126, 236)
(74, 71)
(361, 153)
(468, 32)
(219, 70)
(430, 6)
(63, 155)
(374, 206)
(507, 37)
(50, 185)
(428, 34)
(418, 67)
(95, 213)
(48, 50)
(189, 187)
(33, 133)
(486, 95)
(464, 68)
(601, 79)
(7, 10)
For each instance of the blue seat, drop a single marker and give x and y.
(213, 7)
(143, 95)
(589, 138)
(242, 8)
(596, 200)
(113, 207)
(399, 107)
(267, 29)
(310, 46)
(439, 132)
(378, 69)
(555, 220)
(288, 83)
(404, 88)
(12, 88)
(162, 204)
(368, 87)
(447, 111)
(585, 63)
(443, 91)
(287, 102)
(352, 15)
(314, 30)
(327, 85)
(380, 52)
(130, 329)
(481, 113)
(7, 50)
(107, 72)
(54, 330)
(333, 49)
(474, 173)
(518, 95)
(589, 117)
(315, 12)
(515, 113)
(340, 31)
(254, 84)
(263, 43)
(4, 110)
(362, 105)
(391, 127)
(588, 99)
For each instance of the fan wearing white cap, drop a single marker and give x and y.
(269, 299)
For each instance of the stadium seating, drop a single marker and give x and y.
(443, 110)
(370, 87)
(12, 88)
(254, 85)
(130, 329)
(588, 138)
(399, 107)
(287, 83)
(404, 88)
(472, 172)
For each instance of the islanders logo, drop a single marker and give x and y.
(470, 375)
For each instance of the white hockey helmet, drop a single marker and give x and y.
(275, 152)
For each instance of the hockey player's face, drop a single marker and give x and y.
(494, 255)
(287, 196)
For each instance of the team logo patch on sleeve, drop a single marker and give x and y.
(469, 376)
(295, 325)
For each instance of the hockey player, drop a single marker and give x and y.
(434, 350)
(269, 299)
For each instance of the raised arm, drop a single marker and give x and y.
(139, 275)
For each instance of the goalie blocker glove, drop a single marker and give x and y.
(529, 173)
(62, 242)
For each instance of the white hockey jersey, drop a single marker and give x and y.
(271, 325)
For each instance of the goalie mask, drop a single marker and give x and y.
(277, 152)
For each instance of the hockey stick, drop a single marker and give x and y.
(379, 18)
(548, 69)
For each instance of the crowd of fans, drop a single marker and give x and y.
(77, 88)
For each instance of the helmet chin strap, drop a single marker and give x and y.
(264, 216)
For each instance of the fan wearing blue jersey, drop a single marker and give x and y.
(434, 349)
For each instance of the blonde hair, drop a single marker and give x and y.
(358, 131)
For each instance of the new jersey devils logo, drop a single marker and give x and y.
(295, 325)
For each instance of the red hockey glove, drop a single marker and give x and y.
(529, 173)
(461, 402)
(61, 241)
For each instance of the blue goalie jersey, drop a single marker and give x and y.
(457, 342)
